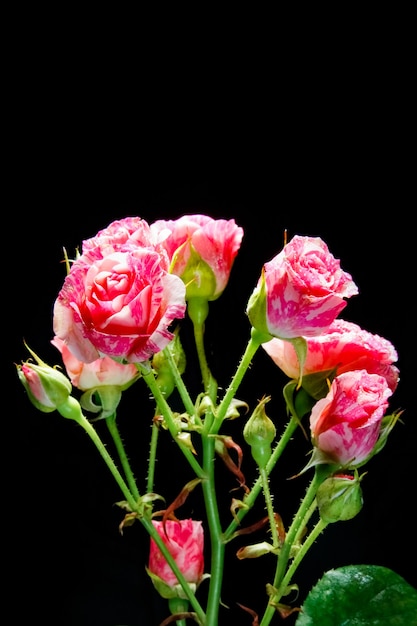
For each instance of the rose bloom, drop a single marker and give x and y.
(185, 541)
(102, 372)
(129, 231)
(201, 250)
(119, 305)
(301, 291)
(345, 425)
(344, 346)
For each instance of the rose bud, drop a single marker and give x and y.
(185, 541)
(259, 432)
(339, 498)
(46, 386)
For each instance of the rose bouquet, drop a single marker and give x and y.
(121, 318)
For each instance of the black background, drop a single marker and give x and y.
(339, 172)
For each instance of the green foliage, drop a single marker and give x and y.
(360, 595)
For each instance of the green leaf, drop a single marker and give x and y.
(360, 595)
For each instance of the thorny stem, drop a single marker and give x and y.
(269, 507)
(293, 532)
(216, 539)
(250, 498)
(179, 383)
(198, 309)
(152, 457)
(114, 431)
(82, 421)
(255, 341)
(149, 378)
(91, 432)
(305, 547)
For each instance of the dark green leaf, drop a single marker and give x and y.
(360, 595)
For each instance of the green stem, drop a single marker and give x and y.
(269, 507)
(152, 458)
(292, 534)
(114, 431)
(160, 400)
(303, 525)
(199, 342)
(178, 606)
(89, 429)
(254, 342)
(216, 539)
(198, 309)
(305, 547)
(71, 409)
(179, 383)
(250, 499)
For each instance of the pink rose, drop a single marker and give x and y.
(102, 372)
(185, 541)
(346, 424)
(201, 251)
(120, 234)
(344, 346)
(301, 291)
(119, 305)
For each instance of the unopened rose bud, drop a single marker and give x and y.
(46, 386)
(339, 498)
(259, 432)
(185, 541)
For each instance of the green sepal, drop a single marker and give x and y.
(317, 384)
(109, 397)
(198, 277)
(298, 401)
(300, 347)
(167, 591)
(256, 307)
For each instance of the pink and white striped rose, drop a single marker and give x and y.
(345, 425)
(185, 541)
(118, 302)
(132, 232)
(201, 250)
(300, 291)
(344, 346)
(103, 372)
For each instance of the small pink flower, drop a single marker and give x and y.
(344, 346)
(102, 372)
(185, 541)
(346, 424)
(301, 291)
(201, 251)
(120, 305)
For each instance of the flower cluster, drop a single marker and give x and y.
(117, 321)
